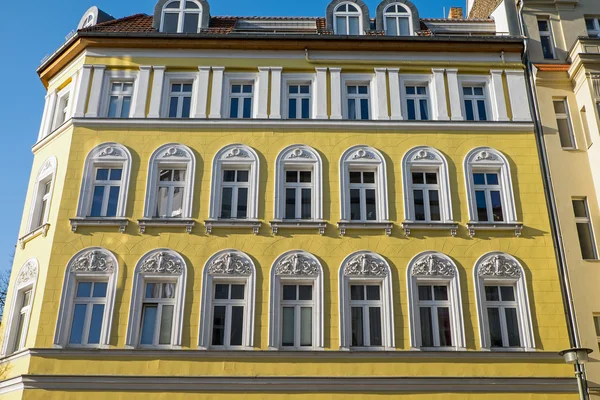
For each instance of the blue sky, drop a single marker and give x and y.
(25, 41)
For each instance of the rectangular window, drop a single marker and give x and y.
(228, 314)
(597, 328)
(488, 196)
(297, 315)
(502, 316)
(363, 196)
(426, 196)
(546, 39)
(584, 229)
(106, 189)
(417, 103)
(434, 314)
(298, 194)
(593, 26)
(169, 198)
(119, 100)
(24, 310)
(475, 103)
(563, 121)
(366, 324)
(234, 194)
(44, 203)
(180, 100)
(157, 313)
(299, 101)
(357, 97)
(88, 313)
(240, 100)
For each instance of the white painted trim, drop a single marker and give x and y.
(360, 79)
(380, 94)
(262, 91)
(45, 113)
(290, 79)
(486, 82)
(205, 329)
(335, 80)
(46, 173)
(140, 93)
(201, 93)
(456, 108)
(276, 90)
(320, 94)
(66, 92)
(408, 15)
(438, 95)
(96, 91)
(172, 77)
(419, 79)
(395, 96)
(82, 91)
(498, 99)
(118, 75)
(252, 78)
(157, 88)
(217, 92)
(275, 297)
(517, 93)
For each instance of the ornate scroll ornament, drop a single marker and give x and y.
(362, 153)
(110, 151)
(28, 272)
(93, 261)
(297, 265)
(432, 265)
(237, 152)
(162, 262)
(174, 152)
(485, 155)
(423, 155)
(299, 153)
(230, 264)
(365, 265)
(46, 167)
(499, 266)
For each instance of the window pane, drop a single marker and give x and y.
(306, 204)
(357, 292)
(364, 109)
(580, 209)
(392, 29)
(97, 199)
(115, 174)
(404, 26)
(373, 292)
(585, 241)
(233, 108)
(418, 178)
(305, 108)
(247, 88)
(113, 201)
(355, 204)
(100, 289)
(289, 292)
(305, 292)
(444, 326)
(355, 177)
(434, 205)
(425, 293)
(218, 331)
(77, 324)
(293, 89)
(84, 289)
(19, 334)
(375, 326)
(96, 324)
(412, 112)
(481, 110)
(292, 109)
(492, 179)
(491, 293)
(546, 42)
(161, 202)
(469, 110)
(290, 203)
(305, 176)
(431, 178)
(560, 106)
(165, 175)
(370, 204)
(229, 176)
(354, 26)
(597, 325)
(242, 206)
(247, 107)
(478, 91)
(113, 104)
(543, 25)
(351, 109)
(190, 22)
(173, 107)
(168, 291)
(512, 327)
(507, 293)
(177, 203)
(357, 326)
(237, 325)
(170, 22)
(237, 292)
(187, 103)
(221, 291)
(496, 205)
(494, 326)
(226, 202)
(424, 110)
(126, 106)
(148, 324)
(368, 177)
(306, 326)
(152, 291)
(426, 327)
(564, 132)
(419, 205)
(481, 206)
(440, 293)
(479, 179)
(287, 336)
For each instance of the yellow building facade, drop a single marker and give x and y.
(281, 208)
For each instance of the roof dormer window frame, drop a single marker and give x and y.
(397, 15)
(346, 14)
(182, 11)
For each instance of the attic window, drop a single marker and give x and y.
(89, 21)
(181, 17)
(397, 20)
(347, 19)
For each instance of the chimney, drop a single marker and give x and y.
(455, 13)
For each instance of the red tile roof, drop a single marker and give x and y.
(133, 23)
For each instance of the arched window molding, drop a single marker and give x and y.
(397, 20)
(42, 196)
(23, 293)
(94, 266)
(296, 268)
(239, 187)
(387, 5)
(488, 177)
(170, 16)
(166, 271)
(338, 8)
(228, 268)
(107, 166)
(298, 159)
(422, 161)
(368, 166)
(430, 272)
(365, 268)
(171, 169)
(498, 269)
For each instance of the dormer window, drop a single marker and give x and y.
(89, 21)
(396, 19)
(181, 17)
(347, 19)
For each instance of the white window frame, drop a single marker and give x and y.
(397, 16)
(366, 268)
(588, 221)
(26, 281)
(427, 159)
(486, 159)
(181, 11)
(90, 264)
(179, 77)
(360, 80)
(565, 116)
(498, 268)
(298, 79)
(46, 173)
(596, 21)
(113, 76)
(230, 267)
(363, 158)
(477, 81)
(157, 266)
(301, 158)
(240, 78)
(63, 112)
(240, 157)
(419, 80)
(105, 155)
(547, 33)
(295, 267)
(348, 14)
(596, 320)
(171, 155)
(434, 268)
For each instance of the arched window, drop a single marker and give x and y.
(234, 188)
(366, 304)
(490, 191)
(42, 196)
(298, 188)
(435, 305)
(157, 300)
(181, 16)
(88, 21)
(227, 303)
(296, 302)
(427, 197)
(397, 20)
(169, 191)
(348, 19)
(363, 190)
(15, 334)
(104, 187)
(502, 303)
(87, 301)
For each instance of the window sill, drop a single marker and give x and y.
(298, 224)
(434, 349)
(232, 223)
(507, 349)
(172, 222)
(42, 230)
(517, 227)
(120, 222)
(371, 225)
(408, 226)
